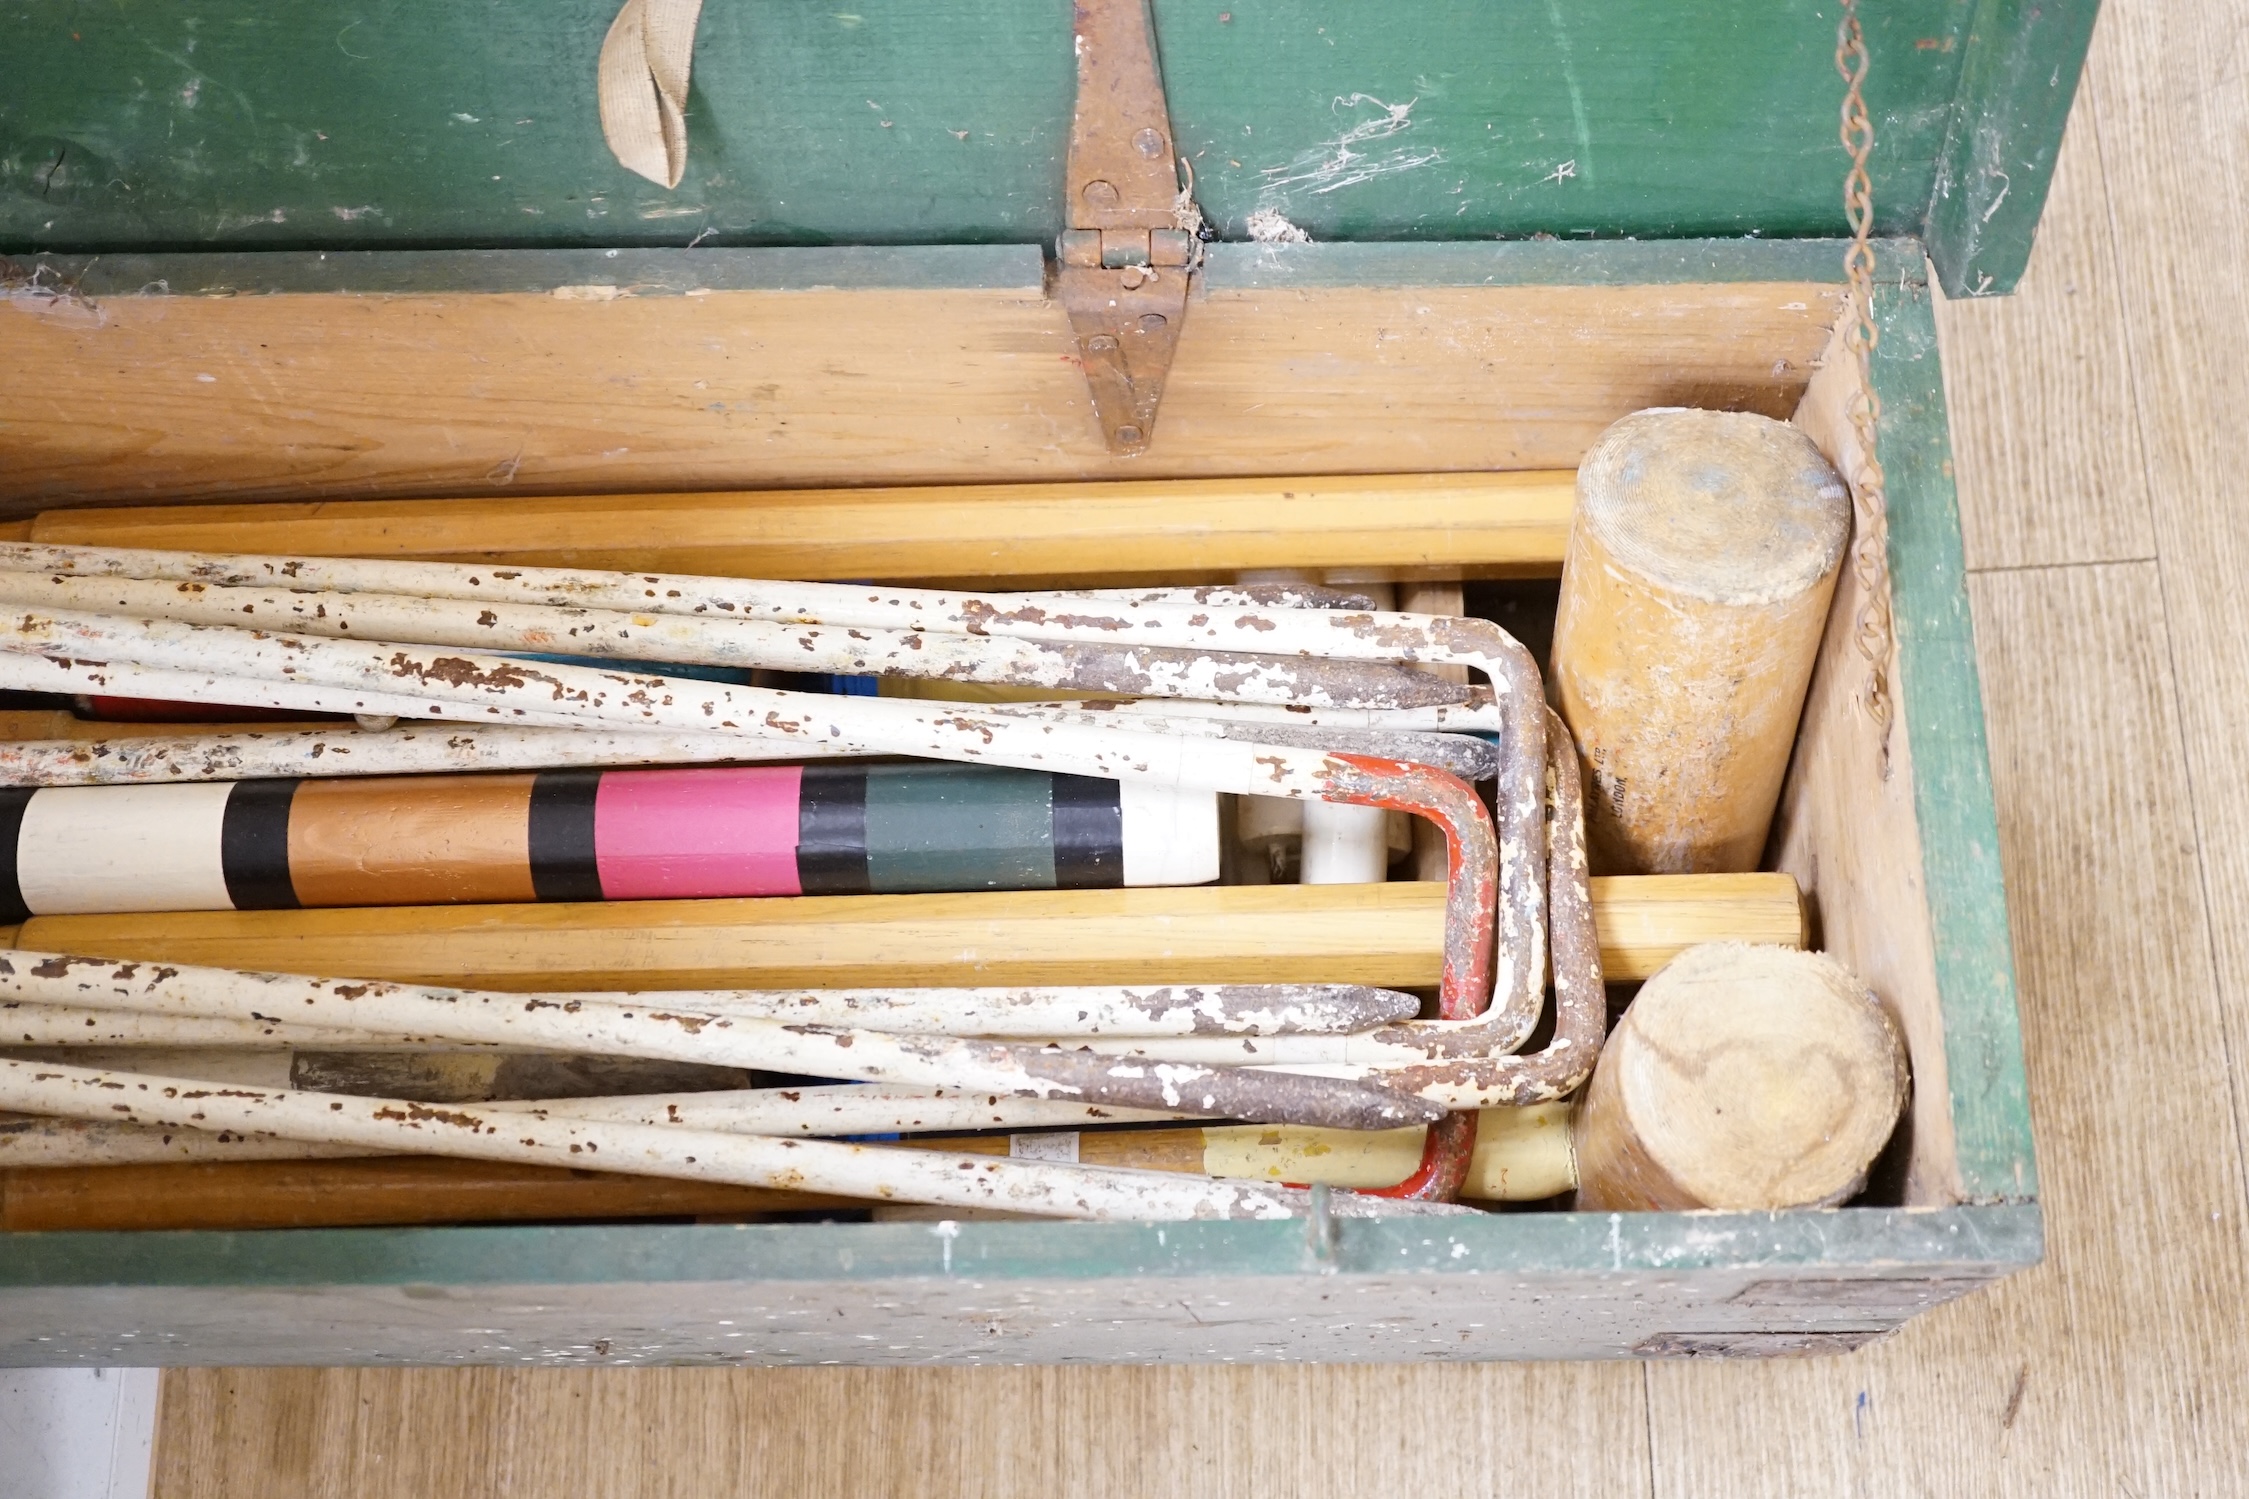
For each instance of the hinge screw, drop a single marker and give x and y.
(1149, 143)
(1101, 194)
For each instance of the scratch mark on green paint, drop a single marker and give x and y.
(1577, 94)
(1336, 164)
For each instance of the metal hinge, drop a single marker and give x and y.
(1126, 256)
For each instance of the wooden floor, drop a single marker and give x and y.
(2097, 421)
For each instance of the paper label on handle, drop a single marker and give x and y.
(1055, 1145)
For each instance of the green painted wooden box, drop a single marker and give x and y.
(378, 250)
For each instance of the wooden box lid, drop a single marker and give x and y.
(240, 124)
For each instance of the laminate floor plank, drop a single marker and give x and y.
(815, 1433)
(2176, 147)
(2038, 386)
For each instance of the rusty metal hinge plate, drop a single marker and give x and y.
(1126, 257)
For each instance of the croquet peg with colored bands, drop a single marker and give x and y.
(576, 835)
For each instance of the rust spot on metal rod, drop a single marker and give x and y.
(415, 1113)
(1235, 1092)
(455, 671)
(976, 614)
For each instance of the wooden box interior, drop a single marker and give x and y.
(558, 375)
(1292, 363)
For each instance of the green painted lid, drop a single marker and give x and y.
(244, 124)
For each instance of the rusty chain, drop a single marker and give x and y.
(1871, 553)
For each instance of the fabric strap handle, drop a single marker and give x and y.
(643, 86)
